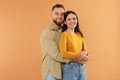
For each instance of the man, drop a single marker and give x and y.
(52, 61)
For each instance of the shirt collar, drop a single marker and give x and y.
(51, 27)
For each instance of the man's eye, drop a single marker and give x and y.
(62, 13)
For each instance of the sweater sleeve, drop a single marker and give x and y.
(84, 48)
(63, 48)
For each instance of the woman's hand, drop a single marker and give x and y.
(82, 55)
(82, 58)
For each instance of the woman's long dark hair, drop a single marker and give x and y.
(77, 29)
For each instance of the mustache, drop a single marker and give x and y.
(58, 23)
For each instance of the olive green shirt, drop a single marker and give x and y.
(51, 61)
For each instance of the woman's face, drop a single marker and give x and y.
(71, 21)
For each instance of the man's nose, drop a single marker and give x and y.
(60, 16)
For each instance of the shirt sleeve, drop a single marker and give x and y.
(51, 48)
(63, 48)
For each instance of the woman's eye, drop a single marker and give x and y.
(69, 19)
(74, 18)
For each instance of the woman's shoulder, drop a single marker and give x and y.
(78, 34)
(64, 33)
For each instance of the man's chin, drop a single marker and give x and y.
(57, 23)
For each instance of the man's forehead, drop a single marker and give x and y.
(58, 10)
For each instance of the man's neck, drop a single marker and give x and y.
(55, 26)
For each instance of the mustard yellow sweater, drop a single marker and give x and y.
(71, 45)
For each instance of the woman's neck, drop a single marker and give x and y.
(71, 31)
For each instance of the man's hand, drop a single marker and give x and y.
(81, 62)
(72, 60)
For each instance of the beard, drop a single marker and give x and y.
(58, 23)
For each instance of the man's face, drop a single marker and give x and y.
(58, 16)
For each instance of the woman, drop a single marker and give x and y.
(71, 46)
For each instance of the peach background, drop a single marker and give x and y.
(21, 24)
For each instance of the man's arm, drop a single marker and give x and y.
(51, 48)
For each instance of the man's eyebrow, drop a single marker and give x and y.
(63, 12)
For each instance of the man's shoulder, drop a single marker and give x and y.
(48, 31)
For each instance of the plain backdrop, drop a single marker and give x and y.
(22, 22)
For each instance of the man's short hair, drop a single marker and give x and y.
(58, 6)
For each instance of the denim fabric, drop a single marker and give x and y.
(74, 71)
(50, 77)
